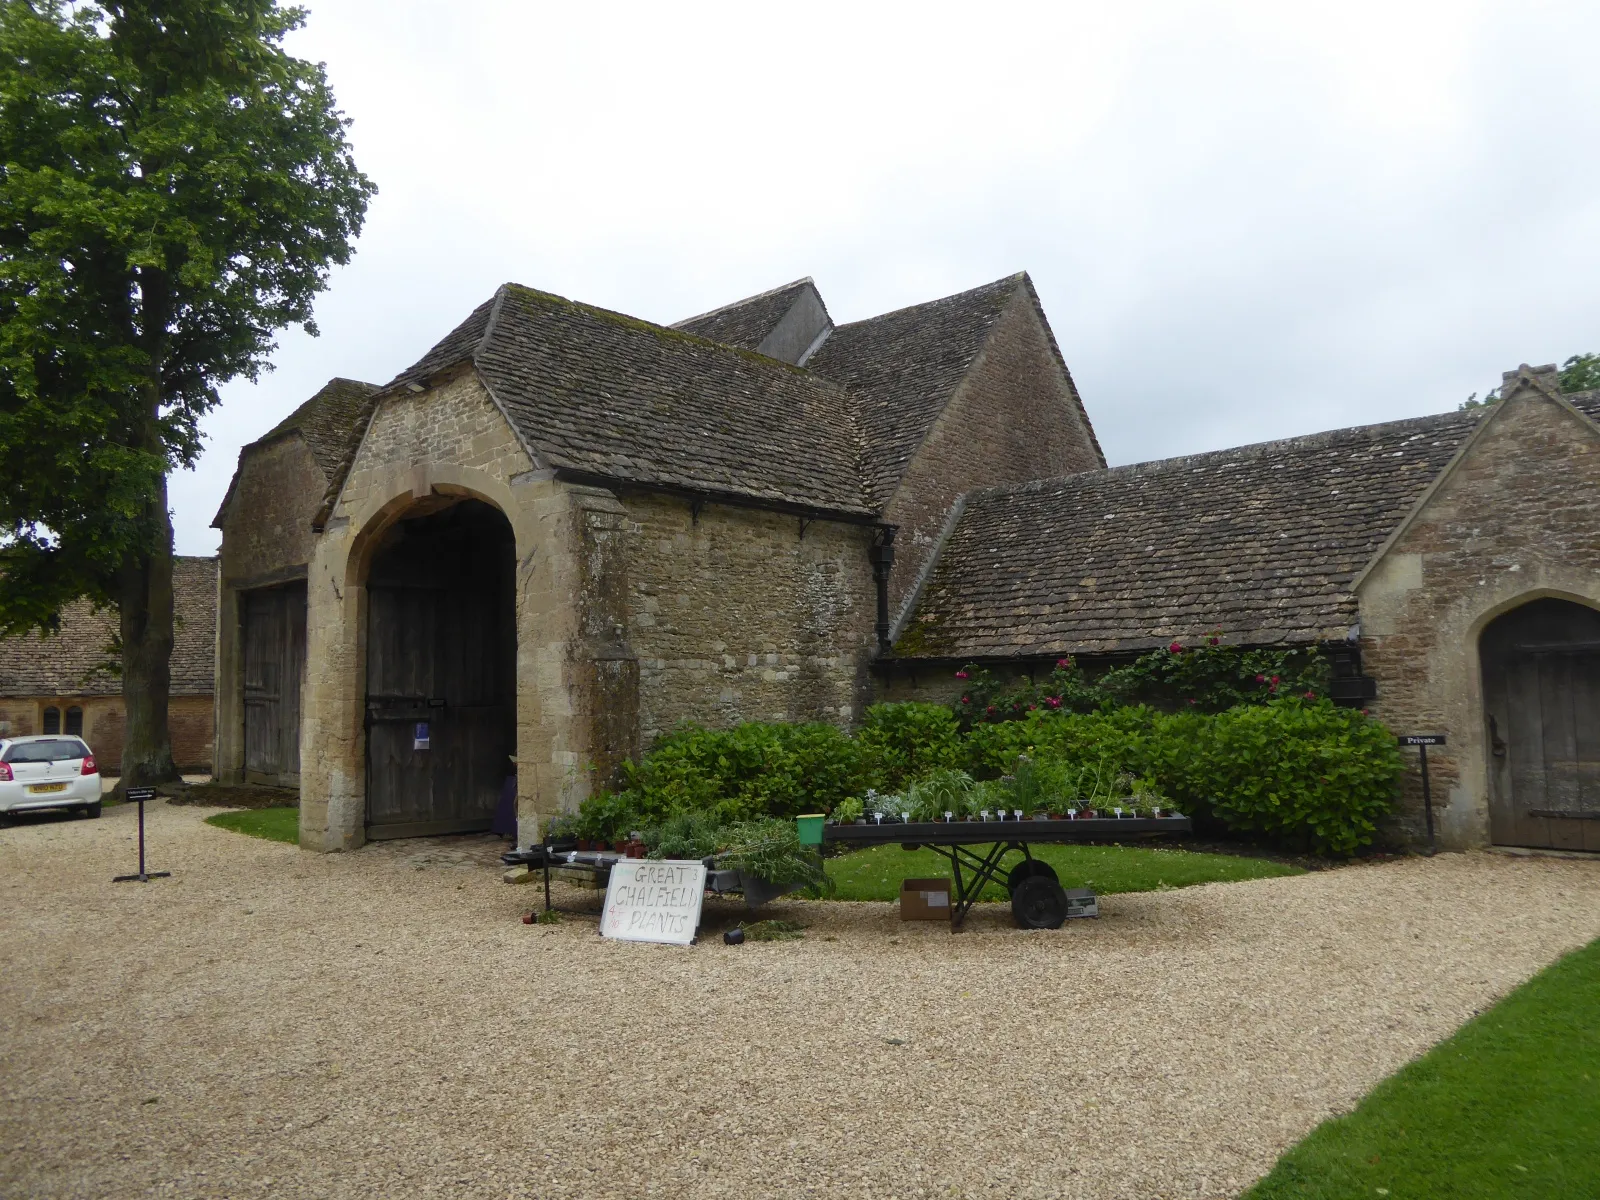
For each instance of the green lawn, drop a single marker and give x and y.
(875, 874)
(1508, 1107)
(279, 824)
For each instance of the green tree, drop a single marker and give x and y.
(1580, 373)
(174, 189)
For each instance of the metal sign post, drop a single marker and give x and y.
(1422, 741)
(139, 795)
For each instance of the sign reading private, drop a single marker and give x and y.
(1422, 739)
(654, 901)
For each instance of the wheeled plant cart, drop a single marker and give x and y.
(1038, 901)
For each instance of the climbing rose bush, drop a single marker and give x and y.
(1207, 677)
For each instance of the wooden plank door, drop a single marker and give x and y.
(1542, 692)
(402, 662)
(274, 645)
(441, 652)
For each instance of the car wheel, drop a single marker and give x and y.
(92, 810)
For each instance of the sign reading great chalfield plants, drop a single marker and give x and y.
(654, 901)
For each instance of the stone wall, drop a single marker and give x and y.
(1517, 518)
(735, 615)
(1012, 419)
(266, 539)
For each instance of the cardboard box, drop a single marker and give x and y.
(924, 899)
(1081, 902)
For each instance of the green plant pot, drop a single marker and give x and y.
(810, 828)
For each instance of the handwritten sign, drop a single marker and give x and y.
(656, 901)
(1422, 739)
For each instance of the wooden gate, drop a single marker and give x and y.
(274, 637)
(1541, 684)
(441, 670)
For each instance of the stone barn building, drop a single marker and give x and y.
(65, 682)
(1448, 565)
(564, 530)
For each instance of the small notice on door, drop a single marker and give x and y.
(419, 736)
(654, 901)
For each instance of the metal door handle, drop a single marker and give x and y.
(1497, 747)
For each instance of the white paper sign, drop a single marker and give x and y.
(654, 901)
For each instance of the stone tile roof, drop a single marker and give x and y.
(746, 323)
(72, 661)
(902, 367)
(1260, 542)
(600, 393)
(331, 424)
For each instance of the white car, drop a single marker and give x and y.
(48, 771)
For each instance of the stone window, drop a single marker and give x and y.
(74, 721)
(52, 719)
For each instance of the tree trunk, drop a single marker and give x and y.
(144, 596)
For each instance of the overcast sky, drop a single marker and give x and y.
(1246, 220)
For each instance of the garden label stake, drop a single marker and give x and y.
(139, 795)
(1422, 741)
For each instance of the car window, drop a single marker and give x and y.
(53, 750)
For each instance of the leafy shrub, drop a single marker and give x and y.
(1299, 772)
(1304, 773)
(752, 770)
(1114, 740)
(900, 742)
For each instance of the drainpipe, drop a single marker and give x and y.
(881, 554)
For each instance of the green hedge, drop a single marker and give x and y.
(1295, 772)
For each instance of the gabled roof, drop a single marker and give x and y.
(599, 393)
(902, 367)
(1262, 543)
(330, 424)
(746, 323)
(72, 661)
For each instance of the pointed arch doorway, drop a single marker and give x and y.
(1541, 690)
(441, 670)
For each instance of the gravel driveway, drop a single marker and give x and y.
(275, 1023)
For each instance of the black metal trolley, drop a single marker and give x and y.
(1038, 901)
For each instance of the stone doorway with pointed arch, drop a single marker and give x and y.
(1541, 691)
(440, 670)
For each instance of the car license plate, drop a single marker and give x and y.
(38, 788)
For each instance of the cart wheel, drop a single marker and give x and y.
(1027, 867)
(1038, 902)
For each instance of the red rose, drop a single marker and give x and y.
(991, 708)
(1274, 681)
(1311, 695)
(1213, 641)
(1176, 647)
(961, 674)
(966, 699)
(1063, 663)
(1261, 678)
(1053, 701)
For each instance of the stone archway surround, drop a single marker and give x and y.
(1430, 679)
(333, 738)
